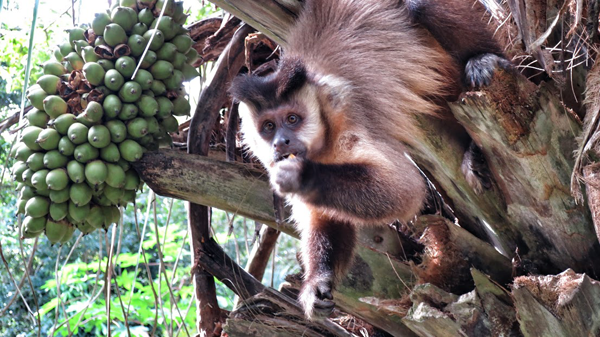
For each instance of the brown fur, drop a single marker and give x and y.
(355, 72)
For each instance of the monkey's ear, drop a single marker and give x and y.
(290, 77)
(333, 91)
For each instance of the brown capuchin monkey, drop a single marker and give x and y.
(331, 124)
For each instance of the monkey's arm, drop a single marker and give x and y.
(370, 192)
(457, 26)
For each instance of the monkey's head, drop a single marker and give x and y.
(282, 113)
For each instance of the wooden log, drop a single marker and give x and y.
(568, 304)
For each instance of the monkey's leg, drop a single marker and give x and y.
(327, 251)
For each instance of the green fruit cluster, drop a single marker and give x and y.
(93, 114)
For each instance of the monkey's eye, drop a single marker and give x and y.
(268, 126)
(292, 119)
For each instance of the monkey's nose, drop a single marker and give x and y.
(281, 143)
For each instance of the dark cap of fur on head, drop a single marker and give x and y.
(269, 91)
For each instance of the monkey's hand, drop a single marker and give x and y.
(286, 175)
(316, 298)
(480, 69)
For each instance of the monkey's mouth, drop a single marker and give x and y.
(290, 155)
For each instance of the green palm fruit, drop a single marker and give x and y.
(139, 28)
(80, 194)
(74, 60)
(189, 72)
(85, 227)
(58, 211)
(55, 231)
(178, 13)
(99, 136)
(21, 206)
(96, 217)
(181, 106)
(166, 25)
(125, 17)
(96, 172)
(55, 106)
(58, 56)
(179, 60)
(137, 44)
(85, 153)
(48, 139)
(62, 123)
(37, 97)
(148, 142)
(89, 55)
(130, 92)
(79, 212)
(38, 180)
(158, 88)
(170, 10)
(170, 124)
(99, 23)
(113, 80)
(68, 234)
(59, 196)
(27, 192)
(96, 189)
(79, 45)
(106, 64)
(167, 52)
(112, 215)
(49, 83)
(145, 16)
(65, 146)
(38, 118)
(102, 200)
(54, 159)
(29, 235)
(29, 137)
(76, 171)
(77, 133)
(37, 207)
(126, 66)
(153, 125)
(65, 48)
(34, 225)
(67, 66)
(94, 73)
(161, 69)
(131, 4)
(175, 81)
(26, 177)
(155, 42)
(148, 93)
(99, 41)
(137, 127)
(191, 56)
(23, 152)
(183, 42)
(35, 162)
(148, 106)
(144, 79)
(110, 153)
(129, 111)
(112, 106)
(114, 34)
(148, 60)
(124, 164)
(113, 194)
(93, 113)
(18, 169)
(130, 150)
(57, 179)
(128, 197)
(117, 129)
(116, 176)
(75, 34)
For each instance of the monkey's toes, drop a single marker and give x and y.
(479, 70)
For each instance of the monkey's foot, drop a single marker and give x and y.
(475, 169)
(480, 69)
(316, 298)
